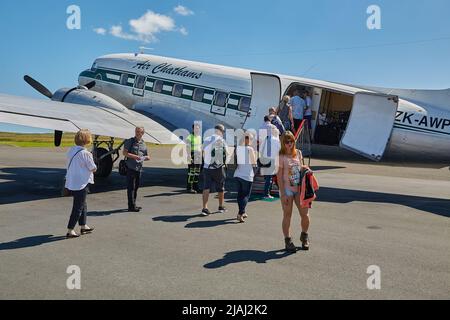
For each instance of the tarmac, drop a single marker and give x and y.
(386, 215)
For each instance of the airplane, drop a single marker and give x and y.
(121, 91)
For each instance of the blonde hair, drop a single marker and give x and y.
(286, 98)
(288, 136)
(83, 137)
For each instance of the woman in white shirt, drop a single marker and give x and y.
(244, 174)
(80, 173)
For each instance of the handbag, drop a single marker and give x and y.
(66, 192)
(123, 168)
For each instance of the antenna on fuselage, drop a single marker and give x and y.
(142, 50)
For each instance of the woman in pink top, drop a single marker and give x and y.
(289, 181)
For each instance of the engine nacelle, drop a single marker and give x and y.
(81, 95)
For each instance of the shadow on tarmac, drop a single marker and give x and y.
(247, 256)
(30, 242)
(178, 218)
(210, 223)
(30, 184)
(436, 206)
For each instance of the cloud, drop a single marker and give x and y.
(146, 28)
(181, 10)
(117, 31)
(183, 31)
(101, 31)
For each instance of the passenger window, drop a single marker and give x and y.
(220, 99)
(158, 86)
(124, 79)
(198, 94)
(177, 90)
(140, 82)
(244, 104)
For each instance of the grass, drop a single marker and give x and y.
(38, 140)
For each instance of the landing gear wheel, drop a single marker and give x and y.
(104, 168)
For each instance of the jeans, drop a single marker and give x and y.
(244, 192)
(79, 208)
(268, 185)
(133, 180)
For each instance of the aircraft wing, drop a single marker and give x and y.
(69, 117)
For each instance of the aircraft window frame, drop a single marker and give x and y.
(167, 88)
(233, 98)
(140, 82)
(223, 96)
(149, 83)
(177, 90)
(196, 97)
(158, 86)
(241, 102)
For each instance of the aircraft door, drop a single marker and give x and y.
(370, 124)
(266, 93)
(139, 86)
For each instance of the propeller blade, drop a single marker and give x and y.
(90, 85)
(38, 86)
(58, 138)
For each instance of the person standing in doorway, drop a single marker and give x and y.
(308, 111)
(298, 109)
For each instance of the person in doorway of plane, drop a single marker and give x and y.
(298, 109)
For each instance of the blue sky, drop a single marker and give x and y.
(321, 39)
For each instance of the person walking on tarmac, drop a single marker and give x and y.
(194, 152)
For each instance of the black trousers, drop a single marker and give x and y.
(133, 181)
(79, 208)
(297, 123)
(194, 169)
(244, 193)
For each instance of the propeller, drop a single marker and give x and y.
(39, 87)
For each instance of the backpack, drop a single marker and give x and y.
(221, 149)
(277, 123)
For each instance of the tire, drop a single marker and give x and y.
(104, 168)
